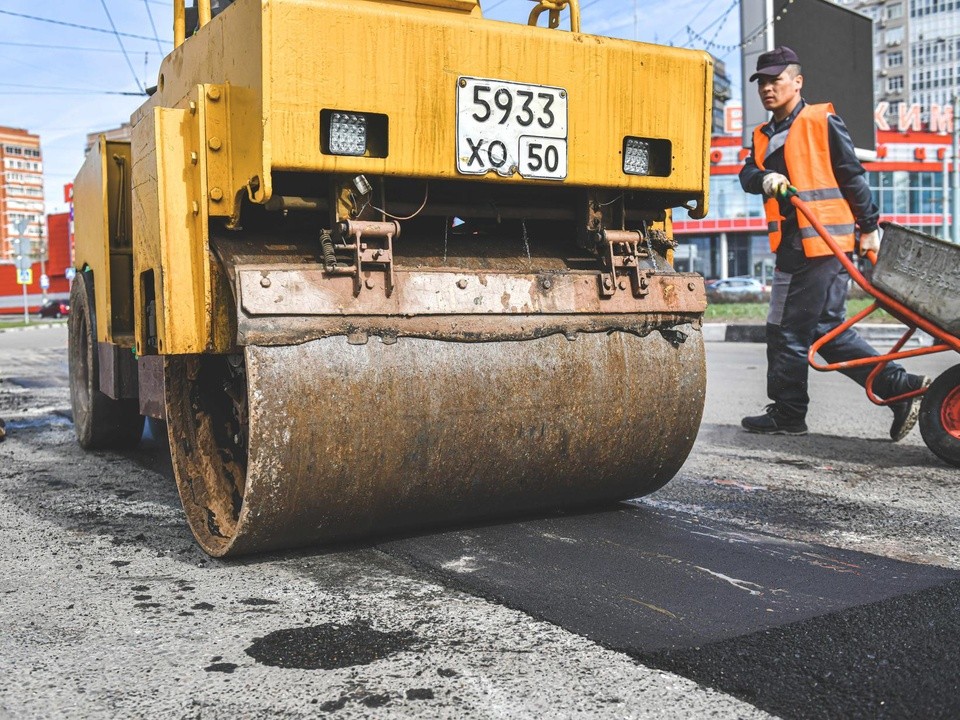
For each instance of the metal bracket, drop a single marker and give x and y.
(554, 8)
(371, 244)
(622, 256)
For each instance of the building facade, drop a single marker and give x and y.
(721, 96)
(124, 132)
(916, 56)
(21, 190)
(916, 46)
(907, 181)
(56, 265)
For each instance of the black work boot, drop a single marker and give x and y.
(773, 422)
(905, 413)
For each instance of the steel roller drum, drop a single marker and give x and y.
(352, 440)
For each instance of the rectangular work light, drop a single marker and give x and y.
(353, 133)
(646, 156)
(348, 134)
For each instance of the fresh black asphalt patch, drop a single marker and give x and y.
(893, 659)
(798, 629)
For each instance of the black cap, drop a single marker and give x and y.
(775, 62)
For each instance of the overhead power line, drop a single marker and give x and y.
(120, 41)
(35, 93)
(153, 25)
(720, 21)
(703, 7)
(65, 47)
(75, 25)
(58, 90)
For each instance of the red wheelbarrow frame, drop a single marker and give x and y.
(945, 341)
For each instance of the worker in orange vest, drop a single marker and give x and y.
(808, 147)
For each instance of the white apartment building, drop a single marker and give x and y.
(21, 188)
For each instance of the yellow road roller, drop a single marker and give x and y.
(388, 264)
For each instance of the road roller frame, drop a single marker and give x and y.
(384, 264)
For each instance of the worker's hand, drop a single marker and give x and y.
(775, 184)
(870, 241)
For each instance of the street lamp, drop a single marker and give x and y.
(955, 196)
(23, 259)
(44, 280)
(955, 102)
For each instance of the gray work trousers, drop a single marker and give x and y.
(804, 306)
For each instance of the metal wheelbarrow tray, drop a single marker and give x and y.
(922, 272)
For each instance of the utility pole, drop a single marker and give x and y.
(23, 262)
(945, 199)
(44, 280)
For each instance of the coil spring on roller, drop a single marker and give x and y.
(329, 256)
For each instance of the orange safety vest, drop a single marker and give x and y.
(807, 156)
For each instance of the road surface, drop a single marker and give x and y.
(803, 577)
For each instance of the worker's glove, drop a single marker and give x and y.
(870, 241)
(775, 184)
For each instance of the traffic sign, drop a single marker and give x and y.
(25, 277)
(70, 273)
(22, 247)
(44, 282)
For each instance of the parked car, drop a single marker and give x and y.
(737, 289)
(54, 308)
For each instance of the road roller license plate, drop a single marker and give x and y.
(511, 128)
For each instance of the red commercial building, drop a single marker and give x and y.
(56, 265)
(908, 181)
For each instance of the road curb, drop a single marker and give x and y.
(32, 326)
(883, 334)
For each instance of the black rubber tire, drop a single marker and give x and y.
(941, 439)
(100, 421)
(157, 430)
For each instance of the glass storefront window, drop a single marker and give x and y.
(728, 200)
(902, 193)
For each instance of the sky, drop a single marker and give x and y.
(73, 67)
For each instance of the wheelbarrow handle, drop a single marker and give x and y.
(793, 195)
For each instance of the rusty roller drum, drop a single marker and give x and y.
(324, 441)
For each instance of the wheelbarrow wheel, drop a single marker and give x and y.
(940, 416)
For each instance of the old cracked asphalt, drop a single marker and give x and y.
(794, 577)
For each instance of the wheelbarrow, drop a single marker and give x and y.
(916, 279)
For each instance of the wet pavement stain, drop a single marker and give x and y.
(420, 694)
(258, 601)
(223, 667)
(40, 423)
(329, 646)
(375, 701)
(59, 484)
(334, 705)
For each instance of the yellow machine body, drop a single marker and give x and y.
(211, 260)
